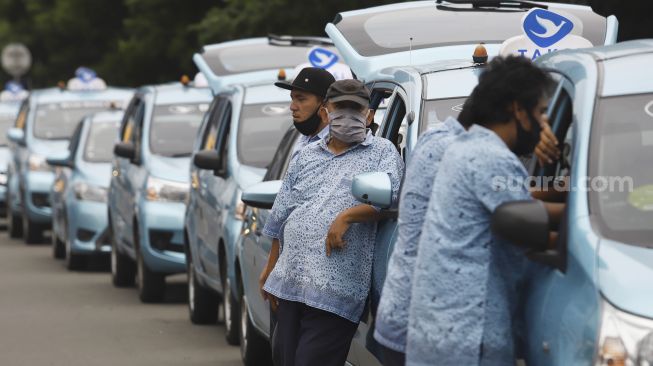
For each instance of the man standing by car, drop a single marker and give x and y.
(307, 93)
(321, 278)
(465, 281)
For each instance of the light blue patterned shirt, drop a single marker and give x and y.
(303, 140)
(465, 281)
(315, 190)
(392, 315)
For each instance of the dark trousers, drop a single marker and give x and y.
(306, 336)
(392, 357)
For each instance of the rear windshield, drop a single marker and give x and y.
(6, 122)
(57, 121)
(99, 143)
(621, 190)
(390, 31)
(174, 127)
(437, 111)
(260, 130)
(247, 58)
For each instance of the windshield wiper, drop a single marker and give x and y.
(488, 4)
(179, 155)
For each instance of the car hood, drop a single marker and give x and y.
(49, 148)
(5, 155)
(248, 175)
(625, 273)
(98, 174)
(175, 169)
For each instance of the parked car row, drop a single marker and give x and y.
(181, 177)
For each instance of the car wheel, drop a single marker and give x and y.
(58, 247)
(202, 302)
(74, 261)
(14, 221)
(32, 232)
(231, 315)
(254, 348)
(151, 285)
(123, 269)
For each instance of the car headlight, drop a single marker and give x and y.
(625, 339)
(37, 163)
(3, 179)
(166, 190)
(88, 192)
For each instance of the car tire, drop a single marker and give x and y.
(123, 268)
(58, 247)
(202, 302)
(74, 261)
(254, 348)
(231, 315)
(151, 285)
(32, 232)
(15, 226)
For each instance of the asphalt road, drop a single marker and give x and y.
(50, 316)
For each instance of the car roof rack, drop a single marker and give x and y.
(489, 4)
(282, 40)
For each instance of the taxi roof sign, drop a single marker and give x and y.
(545, 31)
(13, 92)
(85, 80)
(328, 60)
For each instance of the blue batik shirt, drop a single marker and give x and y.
(392, 314)
(303, 140)
(317, 188)
(465, 281)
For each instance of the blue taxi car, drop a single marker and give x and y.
(149, 185)
(590, 298)
(422, 84)
(44, 125)
(8, 113)
(244, 126)
(79, 192)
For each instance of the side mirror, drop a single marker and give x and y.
(125, 150)
(207, 160)
(523, 223)
(374, 188)
(16, 135)
(261, 195)
(64, 161)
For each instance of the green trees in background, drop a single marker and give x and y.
(136, 42)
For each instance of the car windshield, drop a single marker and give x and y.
(174, 127)
(260, 130)
(6, 122)
(57, 121)
(390, 31)
(438, 110)
(621, 153)
(99, 143)
(246, 58)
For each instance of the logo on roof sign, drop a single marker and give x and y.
(322, 58)
(546, 28)
(85, 74)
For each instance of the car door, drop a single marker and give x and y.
(199, 177)
(256, 246)
(122, 201)
(211, 187)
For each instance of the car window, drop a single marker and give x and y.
(438, 110)
(22, 116)
(6, 121)
(260, 129)
(99, 142)
(281, 158)
(621, 180)
(57, 121)
(74, 139)
(224, 131)
(395, 125)
(174, 127)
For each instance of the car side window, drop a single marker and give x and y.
(74, 140)
(281, 160)
(127, 130)
(395, 124)
(379, 98)
(210, 135)
(223, 132)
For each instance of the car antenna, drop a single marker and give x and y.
(410, 117)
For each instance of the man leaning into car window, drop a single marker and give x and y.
(319, 269)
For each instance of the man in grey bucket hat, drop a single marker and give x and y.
(321, 278)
